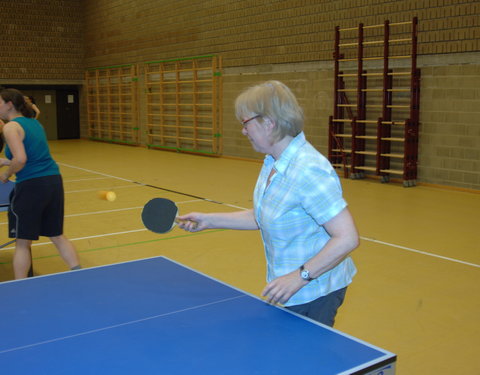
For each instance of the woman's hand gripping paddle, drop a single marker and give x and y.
(159, 215)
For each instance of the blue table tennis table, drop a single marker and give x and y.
(5, 190)
(156, 316)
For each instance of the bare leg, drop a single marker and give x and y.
(22, 259)
(30, 271)
(67, 250)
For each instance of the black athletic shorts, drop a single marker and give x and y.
(36, 208)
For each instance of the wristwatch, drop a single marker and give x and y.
(305, 274)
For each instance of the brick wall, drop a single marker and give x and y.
(49, 39)
(450, 125)
(251, 32)
(41, 40)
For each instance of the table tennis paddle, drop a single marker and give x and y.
(159, 215)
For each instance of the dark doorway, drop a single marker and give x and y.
(59, 112)
(68, 114)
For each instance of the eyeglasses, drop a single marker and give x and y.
(245, 122)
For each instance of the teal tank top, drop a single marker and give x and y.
(39, 161)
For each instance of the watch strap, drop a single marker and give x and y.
(302, 268)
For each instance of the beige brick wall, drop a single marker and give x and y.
(41, 41)
(450, 125)
(262, 32)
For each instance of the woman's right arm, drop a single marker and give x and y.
(14, 135)
(197, 221)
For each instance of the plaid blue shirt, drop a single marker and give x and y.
(303, 194)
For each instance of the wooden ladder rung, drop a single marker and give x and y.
(364, 168)
(393, 122)
(378, 74)
(399, 74)
(392, 171)
(117, 131)
(374, 90)
(367, 121)
(373, 26)
(370, 42)
(403, 40)
(180, 116)
(366, 153)
(342, 120)
(348, 29)
(342, 135)
(342, 150)
(400, 57)
(393, 139)
(390, 57)
(341, 165)
(348, 44)
(388, 106)
(346, 105)
(373, 42)
(400, 23)
(365, 137)
(399, 156)
(180, 138)
(381, 74)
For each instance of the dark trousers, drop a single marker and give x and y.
(323, 309)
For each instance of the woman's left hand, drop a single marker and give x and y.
(282, 288)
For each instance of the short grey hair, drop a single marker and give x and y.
(273, 100)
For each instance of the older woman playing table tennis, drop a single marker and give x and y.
(307, 229)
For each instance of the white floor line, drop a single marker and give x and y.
(96, 189)
(87, 179)
(83, 238)
(104, 211)
(94, 213)
(421, 252)
(95, 172)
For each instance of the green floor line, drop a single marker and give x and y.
(127, 244)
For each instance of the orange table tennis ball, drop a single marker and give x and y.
(107, 195)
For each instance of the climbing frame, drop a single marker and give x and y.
(374, 126)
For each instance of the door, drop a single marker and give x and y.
(68, 114)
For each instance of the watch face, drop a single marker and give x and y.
(305, 275)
